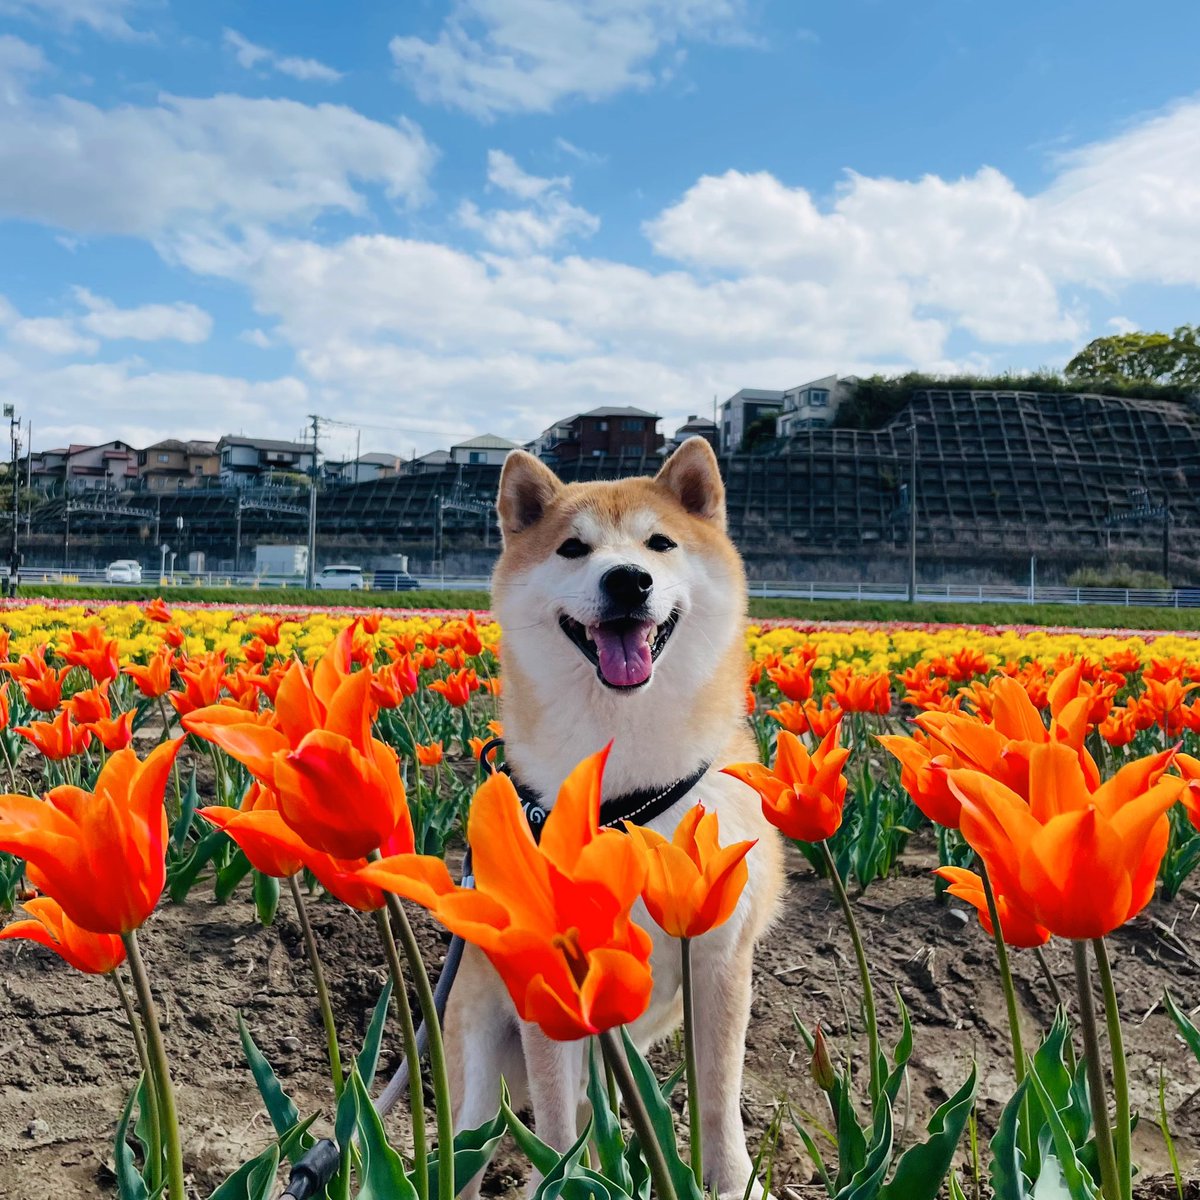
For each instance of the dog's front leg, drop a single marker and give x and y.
(721, 1003)
(554, 1072)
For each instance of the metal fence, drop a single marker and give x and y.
(786, 590)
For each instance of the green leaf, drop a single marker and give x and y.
(266, 897)
(473, 1149)
(1075, 1175)
(568, 1165)
(130, 1184)
(253, 1180)
(382, 1173)
(541, 1156)
(810, 1146)
(230, 875)
(610, 1142)
(866, 1181)
(187, 814)
(368, 1057)
(280, 1108)
(1189, 1032)
(851, 1137)
(1008, 1178)
(182, 874)
(922, 1167)
(141, 1127)
(904, 1049)
(661, 1119)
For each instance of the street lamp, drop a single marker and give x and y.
(14, 556)
(164, 550)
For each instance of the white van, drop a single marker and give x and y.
(340, 577)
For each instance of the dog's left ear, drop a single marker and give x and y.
(692, 475)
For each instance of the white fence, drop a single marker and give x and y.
(785, 590)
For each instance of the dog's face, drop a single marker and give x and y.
(620, 582)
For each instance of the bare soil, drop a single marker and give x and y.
(66, 1061)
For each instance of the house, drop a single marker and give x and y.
(364, 469)
(695, 426)
(485, 449)
(248, 461)
(435, 460)
(109, 467)
(812, 405)
(171, 464)
(620, 432)
(743, 409)
(48, 470)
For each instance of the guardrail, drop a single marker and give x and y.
(762, 589)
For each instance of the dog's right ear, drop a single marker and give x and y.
(527, 486)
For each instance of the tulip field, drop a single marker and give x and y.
(230, 853)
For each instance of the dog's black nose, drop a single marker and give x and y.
(627, 586)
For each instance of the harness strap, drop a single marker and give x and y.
(641, 806)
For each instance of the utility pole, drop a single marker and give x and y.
(310, 567)
(14, 555)
(912, 516)
(1166, 540)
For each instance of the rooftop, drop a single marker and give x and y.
(231, 439)
(486, 441)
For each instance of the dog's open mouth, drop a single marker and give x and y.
(623, 650)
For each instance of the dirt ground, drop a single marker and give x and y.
(65, 1056)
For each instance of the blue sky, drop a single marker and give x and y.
(431, 219)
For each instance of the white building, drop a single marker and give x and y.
(486, 449)
(812, 405)
(741, 410)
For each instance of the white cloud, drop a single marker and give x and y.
(511, 56)
(550, 219)
(51, 335)
(179, 322)
(18, 62)
(191, 168)
(256, 337)
(106, 17)
(1121, 324)
(249, 55)
(588, 157)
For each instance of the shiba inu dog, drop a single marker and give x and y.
(623, 607)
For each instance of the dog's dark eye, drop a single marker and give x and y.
(574, 548)
(660, 542)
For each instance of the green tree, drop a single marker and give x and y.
(1141, 358)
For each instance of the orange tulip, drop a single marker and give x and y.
(469, 637)
(40, 683)
(157, 610)
(794, 680)
(457, 686)
(339, 788)
(4, 638)
(154, 679)
(267, 628)
(57, 739)
(1166, 699)
(430, 755)
(1126, 659)
(114, 733)
(802, 794)
(1079, 860)
(692, 883)
(807, 717)
(1189, 768)
(861, 693)
(203, 678)
(255, 651)
(5, 713)
(553, 917)
(49, 926)
(1017, 928)
(174, 636)
(390, 685)
(90, 649)
(102, 856)
(91, 705)
(923, 766)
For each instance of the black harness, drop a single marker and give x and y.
(640, 807)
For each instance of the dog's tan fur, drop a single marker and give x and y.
(691, 711)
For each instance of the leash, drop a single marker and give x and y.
(317, 1166)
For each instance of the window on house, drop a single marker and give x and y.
(632, 425)
(164, 458)
(602, 426)
(477, 456)
(818, 398)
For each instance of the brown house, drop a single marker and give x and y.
(170, 465)
(620, 432)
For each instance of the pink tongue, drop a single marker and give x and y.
(624, 656)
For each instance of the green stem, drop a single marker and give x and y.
(689, 1056)
(314, 962)
(161, 1069)
(864, 973)
(437, 1052)
(1110, 1187)
(614, 1056)
(1006, 979)
(1116, 1045)
(409, 1035)
(12, 771)
(154, 1162)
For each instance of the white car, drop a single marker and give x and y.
(124, 570)
(340, 577)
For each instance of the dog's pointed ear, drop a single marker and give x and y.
(692, 475)
(527, 486)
